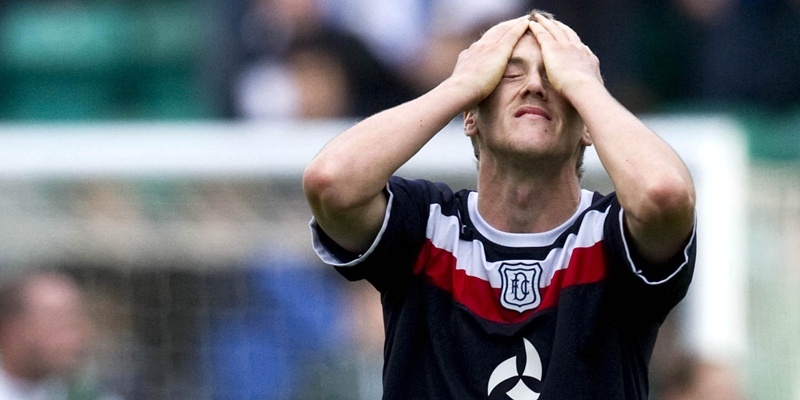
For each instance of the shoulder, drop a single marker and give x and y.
(420, 186)
(424, 192)
(600, 201)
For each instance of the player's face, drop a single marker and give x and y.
(524, 116)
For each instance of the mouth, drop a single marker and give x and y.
(532, 111)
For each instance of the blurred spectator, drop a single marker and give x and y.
(119, 360)
(298, 65)
(676, 373)
(132, 60)
(420, 39)
(324, 74)
(281, 325)
(393, 30)
(328, 58)
(44, 337)
(697, 379)
(354, 370)
(452, 26)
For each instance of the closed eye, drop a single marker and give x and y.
(514, 69)
(513, 73)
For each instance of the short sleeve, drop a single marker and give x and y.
(658, 286)
(390, 257)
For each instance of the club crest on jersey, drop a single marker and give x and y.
(520, 286)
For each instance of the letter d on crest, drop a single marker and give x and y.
(520, 286)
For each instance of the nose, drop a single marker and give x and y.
(536, 85)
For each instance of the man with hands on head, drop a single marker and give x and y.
(530, 286)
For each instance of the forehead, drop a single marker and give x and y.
(527, 47)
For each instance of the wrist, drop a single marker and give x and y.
(585, 91)
(460, 91)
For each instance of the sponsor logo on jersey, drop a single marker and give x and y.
(512, 381)
(520, 286)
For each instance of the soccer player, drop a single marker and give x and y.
(530, 286)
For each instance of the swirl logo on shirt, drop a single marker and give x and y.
(507, 377)
(520, 286)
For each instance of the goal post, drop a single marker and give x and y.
(64, 198)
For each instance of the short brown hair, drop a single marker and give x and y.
(545, 14)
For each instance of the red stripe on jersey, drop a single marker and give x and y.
(587, 265)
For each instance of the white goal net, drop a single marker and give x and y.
(191, 241)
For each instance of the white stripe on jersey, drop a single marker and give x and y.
(443, 231)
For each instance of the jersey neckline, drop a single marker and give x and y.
(523, 239)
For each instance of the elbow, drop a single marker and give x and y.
(318, 184)
(324, 188)
(670, 199)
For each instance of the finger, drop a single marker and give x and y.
(550, 25)
(570, 33)
(500, 30)
(515, 32)
(542, 35)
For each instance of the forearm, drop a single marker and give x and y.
(355, 166)
(652, 183)
(345, 181)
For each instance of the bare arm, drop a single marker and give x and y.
(344, 183)
(652, 183)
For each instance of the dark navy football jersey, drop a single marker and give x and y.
(472, 312)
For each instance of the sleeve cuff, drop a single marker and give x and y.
(660, 273)
(332, 254)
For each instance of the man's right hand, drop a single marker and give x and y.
(480, 67)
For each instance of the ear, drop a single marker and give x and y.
(586, 138)
(470, 125)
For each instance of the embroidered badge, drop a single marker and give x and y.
(520, 286)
